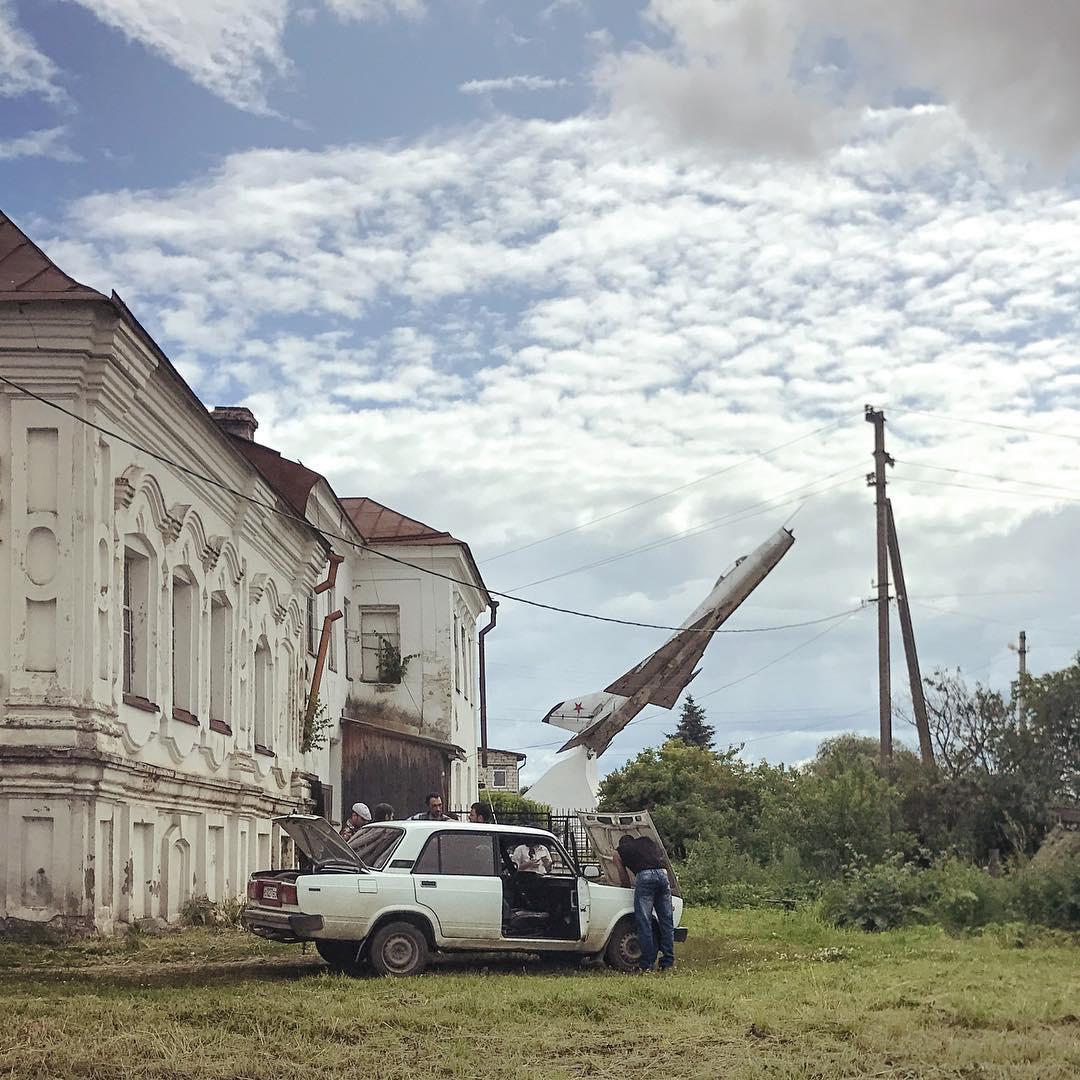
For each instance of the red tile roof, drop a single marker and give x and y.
(27, 273)
(377, 522)
(291, 480)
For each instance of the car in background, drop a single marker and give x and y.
(402, 891)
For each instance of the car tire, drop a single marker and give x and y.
(623, 952)
(339, 955)
(399, 948)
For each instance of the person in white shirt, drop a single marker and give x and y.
(531, 859)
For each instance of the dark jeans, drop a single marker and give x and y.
(652, 892)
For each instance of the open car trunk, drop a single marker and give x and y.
(319, 842)
(606, 830)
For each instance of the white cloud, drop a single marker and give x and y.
(512, 82)
(46, 143)
(233, 48)
(229, 47)
(525, 325)
(377, 9)
(789, 76)
(24, 69)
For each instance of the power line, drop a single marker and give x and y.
(993, 491)
(735, 682)
(987, 423)
(988, 476)
(366, 546)
(671, 491)
(735, 517)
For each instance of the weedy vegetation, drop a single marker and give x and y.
(757, 994)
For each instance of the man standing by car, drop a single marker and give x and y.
(358, 817)
(652, 893)
(434, 811)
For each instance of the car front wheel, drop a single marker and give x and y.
(623, 952)
(399, 948)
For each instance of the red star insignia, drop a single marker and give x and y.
(577, 707)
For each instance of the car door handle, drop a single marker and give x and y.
(429, 884)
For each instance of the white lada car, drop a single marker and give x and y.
(402, 890)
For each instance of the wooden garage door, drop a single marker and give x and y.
(379, 766)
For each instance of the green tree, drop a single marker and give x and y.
(692, 728)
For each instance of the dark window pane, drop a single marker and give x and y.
(428, 863)
(467, 854)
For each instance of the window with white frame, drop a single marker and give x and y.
(457, 657)
(331, 607)
(346, 631)
(136, 624)
(309, 628)
(466, 673)
(263, 693)
(498, 778)
(380, 644)
(185, 629)
(221, 627)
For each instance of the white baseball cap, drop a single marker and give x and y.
(361, 809)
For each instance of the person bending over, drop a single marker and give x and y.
(652, 893)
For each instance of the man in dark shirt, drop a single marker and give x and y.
(434, 811)
(652, 893)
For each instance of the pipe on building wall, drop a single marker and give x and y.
(483, 684)
(324, 639)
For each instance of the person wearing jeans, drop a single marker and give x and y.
(652, 895)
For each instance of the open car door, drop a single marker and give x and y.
(606, 830)
(318, 840)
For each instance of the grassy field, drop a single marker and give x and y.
(756, 995)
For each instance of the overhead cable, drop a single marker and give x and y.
(366, 546)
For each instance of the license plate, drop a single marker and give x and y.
(270, 895)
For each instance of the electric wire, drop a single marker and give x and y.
(365, 545)
(734, 517)
(988, 476)
(743, 460)
(984, 423)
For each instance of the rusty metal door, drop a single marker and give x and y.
(380, 766)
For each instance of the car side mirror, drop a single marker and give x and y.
(591, 872)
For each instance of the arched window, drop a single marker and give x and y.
(221, 668)
(185, 645)
(264, 697)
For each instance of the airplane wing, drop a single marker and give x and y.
(669, 669)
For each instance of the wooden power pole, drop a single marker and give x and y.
(1022, 651)
(876, 480)
(918, 699)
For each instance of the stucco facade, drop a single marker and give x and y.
(158, 625)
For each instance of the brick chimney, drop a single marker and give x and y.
(236, 420)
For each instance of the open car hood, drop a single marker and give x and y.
(317, 839)
(606, 830)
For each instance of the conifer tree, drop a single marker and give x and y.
(692, 728)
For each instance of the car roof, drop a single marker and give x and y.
(432, 826)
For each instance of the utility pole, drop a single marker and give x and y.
(876, 480)
(918, 700)
(1022, 651)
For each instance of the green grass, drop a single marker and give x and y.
(757, 994)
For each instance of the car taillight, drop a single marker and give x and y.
(288, 894)
(253, 890)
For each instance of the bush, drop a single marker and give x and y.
(878, 897)
(508, 802)
(715, 872)
(960, 896)
(202, 911)
(1050, 894)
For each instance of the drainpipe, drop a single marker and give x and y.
(483, 684)
(324, 639)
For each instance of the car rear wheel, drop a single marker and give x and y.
(339, 955)
(399, 948)
(623, 952)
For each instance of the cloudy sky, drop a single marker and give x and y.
(620, 273)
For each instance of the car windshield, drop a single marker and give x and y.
(375, 843)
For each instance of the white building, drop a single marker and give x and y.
(159, 625)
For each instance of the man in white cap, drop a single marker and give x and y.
(357, 819)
